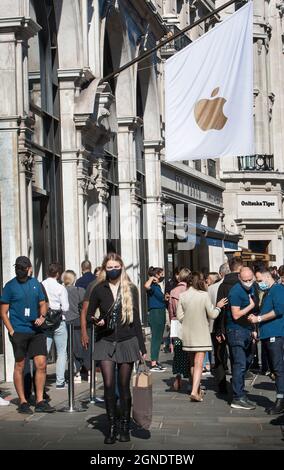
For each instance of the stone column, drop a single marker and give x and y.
(153, 203)
(15, 158)
(73, 160)
(129, 214)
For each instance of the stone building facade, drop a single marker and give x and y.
(82, 168)
(253, 198)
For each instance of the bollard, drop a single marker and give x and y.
(93, 399)
(71, 396)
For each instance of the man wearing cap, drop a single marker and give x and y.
(23, 298)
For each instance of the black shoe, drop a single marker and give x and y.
(25, 409)
(46, 397)
(112, 433)
(277, 408)
(243, 404)
(124, 431)
(44, 407)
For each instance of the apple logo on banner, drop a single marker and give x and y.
(209, 113)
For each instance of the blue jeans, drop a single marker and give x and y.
(276, 354)
(60, 338)
(240, 344)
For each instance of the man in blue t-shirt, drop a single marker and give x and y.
(242, 301)
(271, 331)
(24, 300)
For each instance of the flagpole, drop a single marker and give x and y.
(164, 42)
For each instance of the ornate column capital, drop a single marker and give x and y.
(129, 123)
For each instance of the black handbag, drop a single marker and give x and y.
(112, 314)
(52, 320)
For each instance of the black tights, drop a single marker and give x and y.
(123, 379)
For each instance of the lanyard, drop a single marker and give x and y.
(27, 294)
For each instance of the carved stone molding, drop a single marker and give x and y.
(26, 162)
(280, 6)
(98, 180)
(271, 98)
(26, 158)
(83, 185)
(259, 43)
(280, 233)
(134, 194)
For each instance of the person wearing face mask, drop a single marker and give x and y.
(271, 331)
(243, 301)
(119, 339)
(24, 299)
(157, 314)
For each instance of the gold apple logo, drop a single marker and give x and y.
(209, 113)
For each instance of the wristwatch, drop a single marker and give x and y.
(259, 318)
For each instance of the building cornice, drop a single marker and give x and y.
(252, 175)
(23, 27)
(192, 173)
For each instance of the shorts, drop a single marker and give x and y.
(28, 344)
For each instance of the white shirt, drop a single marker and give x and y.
(57, 294)
(213, 291)
(114, 288)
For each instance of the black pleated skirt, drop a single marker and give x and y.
(120, 352)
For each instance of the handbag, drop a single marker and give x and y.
(176, 329)
(142, 397)
(52, 320)
(112, 314)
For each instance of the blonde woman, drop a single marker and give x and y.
(75, 299)
(194, 310)
(119, 339)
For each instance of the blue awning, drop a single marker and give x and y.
(230, 245)
(214, 242)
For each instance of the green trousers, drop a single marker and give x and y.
(157, 321)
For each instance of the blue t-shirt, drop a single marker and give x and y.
(239, 297)
(155, 297)
(85, 280)
(23, 299)
(274, 300)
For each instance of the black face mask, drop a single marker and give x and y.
(161, 279)
(113, 274)
(22, 274)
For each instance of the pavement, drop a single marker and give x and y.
(178, 424)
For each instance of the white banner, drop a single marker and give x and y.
(209, 93)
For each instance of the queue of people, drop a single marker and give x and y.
(222, 314)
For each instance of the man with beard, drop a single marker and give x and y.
(23, 298)
(240, 333)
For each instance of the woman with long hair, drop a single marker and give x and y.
(194, 311)
(157, 314)
(181, 358)
(119, 340)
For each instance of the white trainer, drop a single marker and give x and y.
(4, 402)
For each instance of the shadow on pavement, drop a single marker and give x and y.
(265, 386)
(100, 422)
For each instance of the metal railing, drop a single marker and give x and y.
(259, 162)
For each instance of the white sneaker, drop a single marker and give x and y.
(77, 379)
(4, 402)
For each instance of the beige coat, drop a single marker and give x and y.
(194, 311)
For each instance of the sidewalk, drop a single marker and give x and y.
(177, 422)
